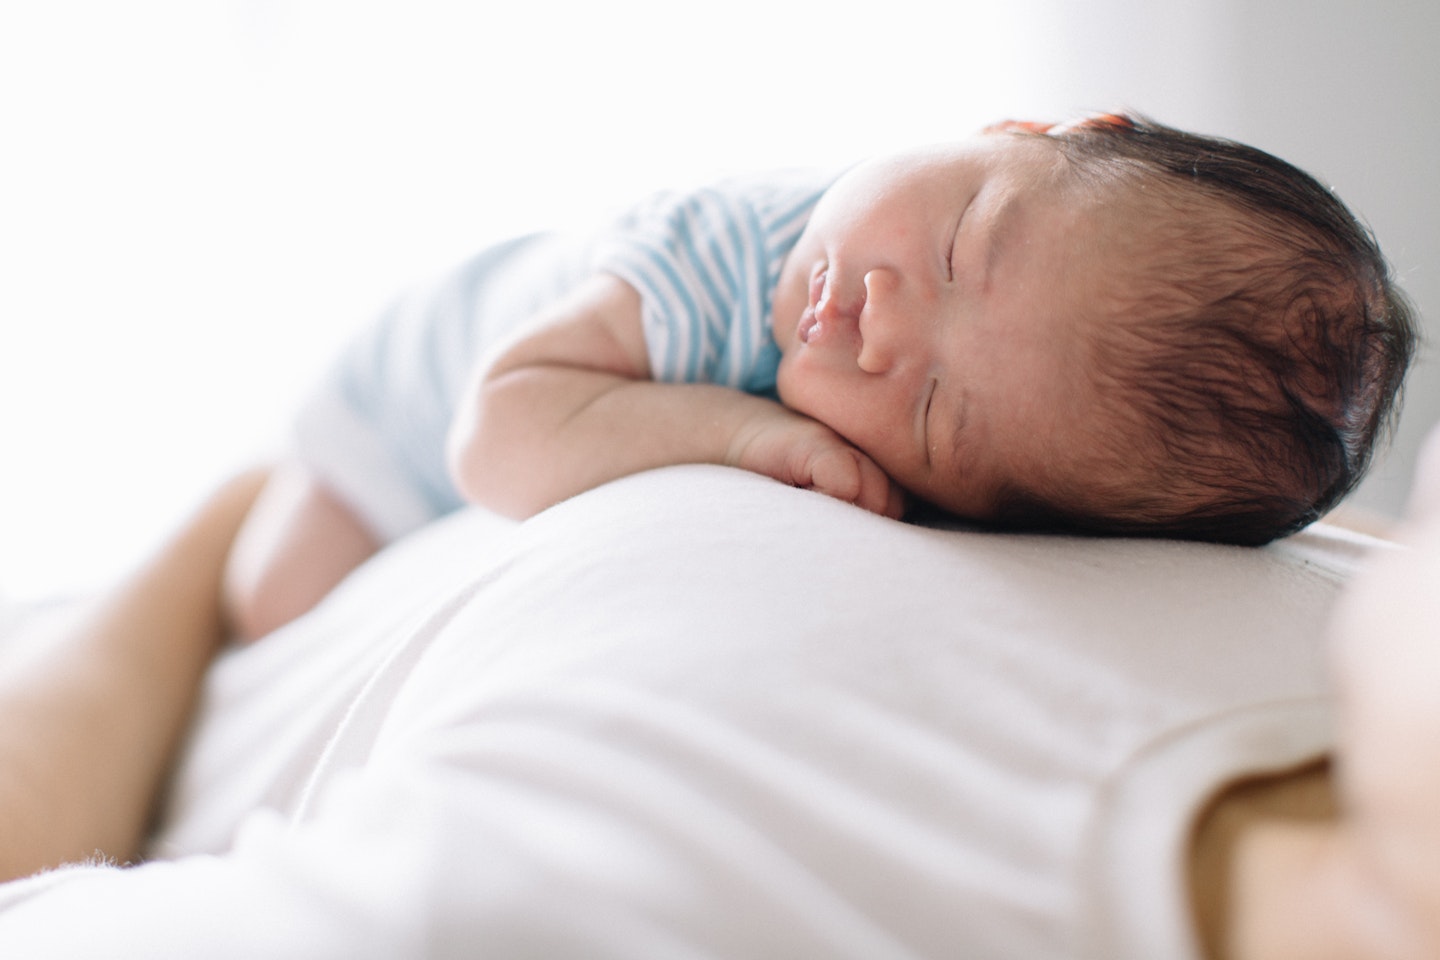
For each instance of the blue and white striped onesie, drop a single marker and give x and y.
(706, 264)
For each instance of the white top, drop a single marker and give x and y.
(696, 713)
(705, 263)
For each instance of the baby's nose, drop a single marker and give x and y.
(838, 305)
(881, 335)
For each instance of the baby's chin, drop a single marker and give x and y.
(792, 296)
(785, 380)
(789, 375)
(784, 323)
(783, 331)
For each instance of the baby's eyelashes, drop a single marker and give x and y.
(925, 420)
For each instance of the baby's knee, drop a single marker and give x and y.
(253, 606)
(298, 543)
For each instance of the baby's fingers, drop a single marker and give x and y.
(878, 493)
(847, 474)
(894, 500)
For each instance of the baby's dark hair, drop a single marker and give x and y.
(1272, 351)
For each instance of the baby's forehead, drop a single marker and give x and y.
(1142, 237)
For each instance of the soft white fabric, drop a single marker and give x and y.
(699, 714)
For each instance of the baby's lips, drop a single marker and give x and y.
(810, 316)
(808, 325)
(819, 280)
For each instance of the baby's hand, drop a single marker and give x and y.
(802, 452)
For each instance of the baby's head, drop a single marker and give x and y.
(1258, 355)
(1110, 326)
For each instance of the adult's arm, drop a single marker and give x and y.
(89, 723)
(1361, 881)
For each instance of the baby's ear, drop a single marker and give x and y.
(1018, 126)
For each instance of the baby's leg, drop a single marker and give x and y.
(299, 541)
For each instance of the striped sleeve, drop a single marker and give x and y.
(706, 264)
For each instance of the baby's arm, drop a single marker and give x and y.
(572, 406)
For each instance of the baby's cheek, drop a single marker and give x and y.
(801, 385)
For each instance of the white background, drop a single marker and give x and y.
(199, 198)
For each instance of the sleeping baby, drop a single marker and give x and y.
(1106, 326)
